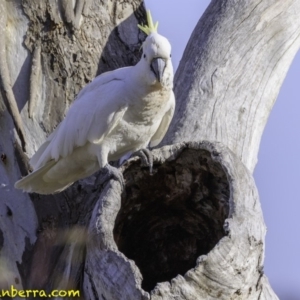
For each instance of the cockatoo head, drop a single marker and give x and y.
(156, 57)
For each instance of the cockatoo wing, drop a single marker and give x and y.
(164, 124)
(96, 111)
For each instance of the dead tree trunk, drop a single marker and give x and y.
(193, 230)
(231, 73)
(49, 51)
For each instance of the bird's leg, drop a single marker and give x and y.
(107, 171)
(124, 158)
(113, 172)
(146, 158)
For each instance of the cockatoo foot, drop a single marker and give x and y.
(146, 158)
(109, 172)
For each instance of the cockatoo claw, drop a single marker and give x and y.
(146, 158)
(109, 172)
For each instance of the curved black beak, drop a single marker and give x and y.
(158, 66)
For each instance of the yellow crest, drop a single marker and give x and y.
(148, 29)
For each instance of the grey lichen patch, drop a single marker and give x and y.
(168, 220)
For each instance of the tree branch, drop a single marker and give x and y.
(231, 73)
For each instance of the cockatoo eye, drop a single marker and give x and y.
(170, 55)
(144, 55)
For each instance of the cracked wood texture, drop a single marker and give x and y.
(197, 220)
(49, 51)
(193, 230)
(231, 73)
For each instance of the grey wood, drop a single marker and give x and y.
(231, 73)
(202, 193)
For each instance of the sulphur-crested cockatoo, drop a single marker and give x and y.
(118, 113)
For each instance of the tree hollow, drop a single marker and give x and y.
(168, 219)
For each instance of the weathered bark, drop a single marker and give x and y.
(231, 73)
(50, 51)
(197, 222)
(194, 230)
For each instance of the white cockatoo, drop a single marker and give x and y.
(118, 113)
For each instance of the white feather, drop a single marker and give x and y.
(118, 113)
(164, 124)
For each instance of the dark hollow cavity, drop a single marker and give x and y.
(169, 219)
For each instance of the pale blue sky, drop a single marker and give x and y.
(277, 172)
